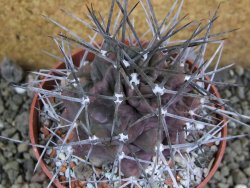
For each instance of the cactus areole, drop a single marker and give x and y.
(125, 113)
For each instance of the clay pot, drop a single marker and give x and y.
(34, 124)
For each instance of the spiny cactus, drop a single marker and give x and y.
(140, 114)
(124, 113)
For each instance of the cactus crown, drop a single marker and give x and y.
(138, 107)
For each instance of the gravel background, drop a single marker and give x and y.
(234, 170)
(17, 161)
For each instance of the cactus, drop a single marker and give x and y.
(139, 113)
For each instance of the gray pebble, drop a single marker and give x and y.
(239, 70)
(230, 157)
(29, 167)
(241, 92)
(234, 99)
(19, 180)
(228, 93)
(233, 165)
(1, 124)
(237, 147)
(1, 106)
(5, 92)
(35, 185)
(240, 158)
(8, 132)
(222, 185)
(244, 104)
(2, 159)
(16, 136)
(230, 180)
(239, 177)
(21, 123)
(18, 99)
(225, 171)
(31, 153)
(22, 148)
(247, 112)
(12, 169)
(247, 171)
(26, 156)
(9, 150)
(26, 185)
(2, 146)
(10, 71)
(217, 175)
(13, 106)
(4, 179)
(17, 186)
(248, 95)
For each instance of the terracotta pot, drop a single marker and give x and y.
(34, 123)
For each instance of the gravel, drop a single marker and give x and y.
(17, 160)
(11, 71)
(234, 171)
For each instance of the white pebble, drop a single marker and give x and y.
(62, 156)
(108, 175)
(58, 163)
(197, 171)
(67, 174)
(180, 161)
(75, 160)
(184, 182)
(214, 148)
(240, 186)
(180, 186)
(89, 185)
(72, 174)
(206, 171)
(20, 90)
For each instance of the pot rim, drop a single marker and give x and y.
(34, 126)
